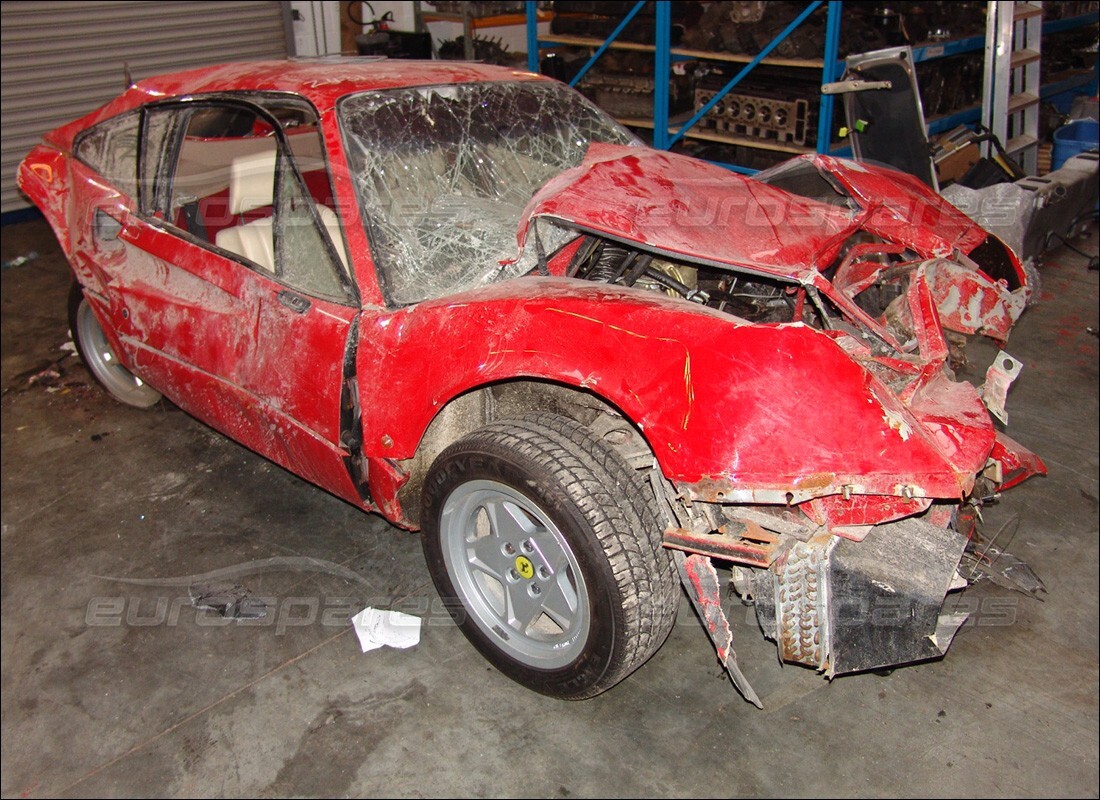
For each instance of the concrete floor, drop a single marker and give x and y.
(113, 685)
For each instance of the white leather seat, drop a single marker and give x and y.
(252, 186)
(254, 240)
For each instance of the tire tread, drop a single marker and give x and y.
(619, 504)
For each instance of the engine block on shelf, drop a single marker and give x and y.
(763, 115)
(623, 86)
(620, 95)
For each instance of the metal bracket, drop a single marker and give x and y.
(998, 378)
(701, 582)
(844, 87)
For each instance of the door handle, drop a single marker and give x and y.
(295, 302)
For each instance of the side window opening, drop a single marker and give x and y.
(301, 241)
(235, 186)
(111, 149)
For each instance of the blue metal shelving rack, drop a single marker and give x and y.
(664, 136)
(831, 67)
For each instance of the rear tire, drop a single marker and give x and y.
(96, 352)
(546, 548)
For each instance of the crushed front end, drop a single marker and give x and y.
(851, 572)
(812, 433)
(843, 606)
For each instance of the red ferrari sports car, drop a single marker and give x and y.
(465, 298)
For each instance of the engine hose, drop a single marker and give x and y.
(669, 282)
(580, 258)
(637, 269)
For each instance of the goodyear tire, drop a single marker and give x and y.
(546, 547)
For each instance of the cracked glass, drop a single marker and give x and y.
(443, 174)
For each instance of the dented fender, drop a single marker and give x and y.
(768, 413)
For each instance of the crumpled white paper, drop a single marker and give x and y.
(376, 627)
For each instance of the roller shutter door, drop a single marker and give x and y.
(64, 59)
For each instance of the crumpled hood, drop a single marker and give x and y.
(689, 208)
(685, 209)
(902, 209)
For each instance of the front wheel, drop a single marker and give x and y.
(546, 548)
(101, 360)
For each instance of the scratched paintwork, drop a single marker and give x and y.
(734, 412)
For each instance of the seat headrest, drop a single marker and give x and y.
(251, 181)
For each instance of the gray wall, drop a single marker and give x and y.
(60, 60)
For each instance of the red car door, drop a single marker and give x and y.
(226, 281)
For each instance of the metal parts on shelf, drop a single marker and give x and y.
(746, 27)
(623, 85)
(774, 116)
(950, 84)
(599, 19)
(779, 42)
(478, 8)
(620, 94)
(735, 26)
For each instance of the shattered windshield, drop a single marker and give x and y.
(443, 173)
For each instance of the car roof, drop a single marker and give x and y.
(322, 81)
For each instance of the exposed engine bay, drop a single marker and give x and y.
(757, 299)
(838, 598)
(880, 290)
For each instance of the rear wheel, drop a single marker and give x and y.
(546, 547)
(101, 360)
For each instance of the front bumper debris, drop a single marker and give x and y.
(842, 606)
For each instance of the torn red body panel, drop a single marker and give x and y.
(969, 302)
(771, 351)
(695, 210)
(701, 580)
(901, 208)
(1016, 462)
(702, 213)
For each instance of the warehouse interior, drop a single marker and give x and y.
(122, 678)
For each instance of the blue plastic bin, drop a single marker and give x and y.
(1077, 137)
